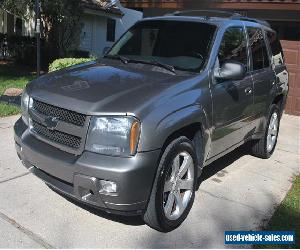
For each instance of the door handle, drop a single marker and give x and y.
(248, 91)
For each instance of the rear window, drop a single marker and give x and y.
(277, 53)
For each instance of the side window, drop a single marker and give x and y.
(260, 57)
(277, 54)
(233, 46)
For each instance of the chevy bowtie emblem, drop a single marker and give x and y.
(51, 122)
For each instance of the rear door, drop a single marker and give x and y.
(278, 63)
(262, 73)
(232, 100)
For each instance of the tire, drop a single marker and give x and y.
(164, 214)
(261, 148)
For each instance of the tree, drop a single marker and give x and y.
(17, 6)
(61, 25)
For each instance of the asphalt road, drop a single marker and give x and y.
(238, 192)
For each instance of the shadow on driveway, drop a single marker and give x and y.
(222, 163)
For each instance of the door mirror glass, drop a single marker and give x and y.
(230, 70)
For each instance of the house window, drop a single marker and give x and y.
(111, 30)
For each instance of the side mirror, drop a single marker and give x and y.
(105, 51)
(231, 70)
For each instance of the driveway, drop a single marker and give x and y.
(238, 192)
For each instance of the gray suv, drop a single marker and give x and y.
(131, 132)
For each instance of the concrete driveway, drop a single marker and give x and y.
(238, 192)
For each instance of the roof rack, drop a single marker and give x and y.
(249, 19)
(206, 14)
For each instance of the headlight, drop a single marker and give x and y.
(24, 106)
(117, 136)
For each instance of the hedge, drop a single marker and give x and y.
(67, 62)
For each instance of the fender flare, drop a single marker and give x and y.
(174, 122)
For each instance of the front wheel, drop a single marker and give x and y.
(265, 147)
(174, 187)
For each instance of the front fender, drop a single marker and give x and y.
(155, 138)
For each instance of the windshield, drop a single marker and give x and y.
(183, 45)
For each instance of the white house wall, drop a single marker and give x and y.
(99, 35)
(3, 21)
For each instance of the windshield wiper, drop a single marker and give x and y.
(123, 59)
(126, 60)
(154, 62)
(163, 65)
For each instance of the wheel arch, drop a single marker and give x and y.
(191, 122)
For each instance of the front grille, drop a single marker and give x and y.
(56, 136)
(62, 114)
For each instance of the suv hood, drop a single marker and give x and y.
(103, 87)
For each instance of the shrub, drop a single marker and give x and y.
(67, 62)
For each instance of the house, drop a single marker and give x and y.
(104, 21)
(283, 15)
(103, 24)
(11, 24)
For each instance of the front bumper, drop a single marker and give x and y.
(78, 176)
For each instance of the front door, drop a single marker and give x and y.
(232, 100)
(86, 37)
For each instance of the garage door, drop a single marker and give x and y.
(292, 57)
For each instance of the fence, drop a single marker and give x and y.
(21, 49)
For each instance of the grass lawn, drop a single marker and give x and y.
(287, 216)
(12, 77)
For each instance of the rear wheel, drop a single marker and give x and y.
(174, 187)
(265, 147)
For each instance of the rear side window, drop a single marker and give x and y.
(233, 46)
(260, 57)
(277, 54)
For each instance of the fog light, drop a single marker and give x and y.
(108, 188)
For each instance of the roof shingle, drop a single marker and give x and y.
(101, 5)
